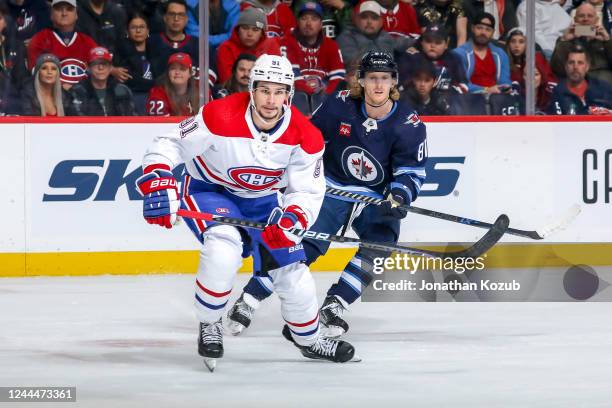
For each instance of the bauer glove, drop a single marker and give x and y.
(276, 234)
(159, 189)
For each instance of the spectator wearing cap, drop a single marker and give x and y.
(239, 82)
(280, 20)
(486, 65)
(248, 38)
(101, 94)
(70, 46)
(173, 39)
(448, 13)
(422, 94)
(337, 15)
(368, 35)
(316, 59)
(12, 65)
(102, 20)
(399, 18)
(177, 92)
(433, 46)
(222, 17)
(596, 42)
(516, 46)
(577, 93)
(43, 94)
(29, 17)
(550, 23)
(504, 12)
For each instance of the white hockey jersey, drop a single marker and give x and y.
(221, 145)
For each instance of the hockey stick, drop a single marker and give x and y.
(540, 233)
(485, 243)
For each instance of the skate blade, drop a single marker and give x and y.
(235, 328)
(210, 363)
(355, 359)
(332, 332)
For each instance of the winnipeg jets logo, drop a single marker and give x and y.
(359, 164)
(413, 119)
(343, 94)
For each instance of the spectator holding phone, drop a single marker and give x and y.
(586, 32)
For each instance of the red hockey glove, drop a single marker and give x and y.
(276, 234)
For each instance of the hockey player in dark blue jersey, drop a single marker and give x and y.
(375, 146)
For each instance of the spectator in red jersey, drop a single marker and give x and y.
(315, 58)
(43, 95)
(177, 93)
(101, 94)
(173, 39)
(71, 47)
(247, 38)
(239, 82)
(102, 20)
(279, 17)
(399, 18)
(448, 13)
(516, 45)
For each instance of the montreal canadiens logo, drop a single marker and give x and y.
(255, 178)
(222, 210)
(73, 70)
(361, 165)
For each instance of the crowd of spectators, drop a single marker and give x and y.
(455, 57)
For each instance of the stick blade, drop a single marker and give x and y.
(568, 217)
(488, 240)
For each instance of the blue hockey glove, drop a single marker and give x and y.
(159, 189)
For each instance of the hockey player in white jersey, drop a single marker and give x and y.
(238, 152)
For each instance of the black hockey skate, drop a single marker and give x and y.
(338, 351)
(239, 316)
(331, 317)
(210, 343)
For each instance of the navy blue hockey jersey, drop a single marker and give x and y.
(365, 155)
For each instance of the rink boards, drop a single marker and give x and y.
(70, 205)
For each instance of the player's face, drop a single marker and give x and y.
(100, 70)
(482, 34)
(310, 24)
(576, 67)
(249, 35)
(138, 31)
(377, 87)
(48, 73)
(175, 18)
(178, 74)
(369, 23)
(423, 84)
(434, 48)
(64, 16)
(243, 72)
(269, 99)
(517, 45)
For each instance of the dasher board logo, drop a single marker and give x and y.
(255, 178)
(361, 165)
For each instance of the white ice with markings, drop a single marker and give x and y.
(130, 341)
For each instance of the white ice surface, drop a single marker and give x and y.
(131, 342)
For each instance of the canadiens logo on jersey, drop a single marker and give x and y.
(345, 129)
(361, 165)
(255, 178)
(73, 70)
